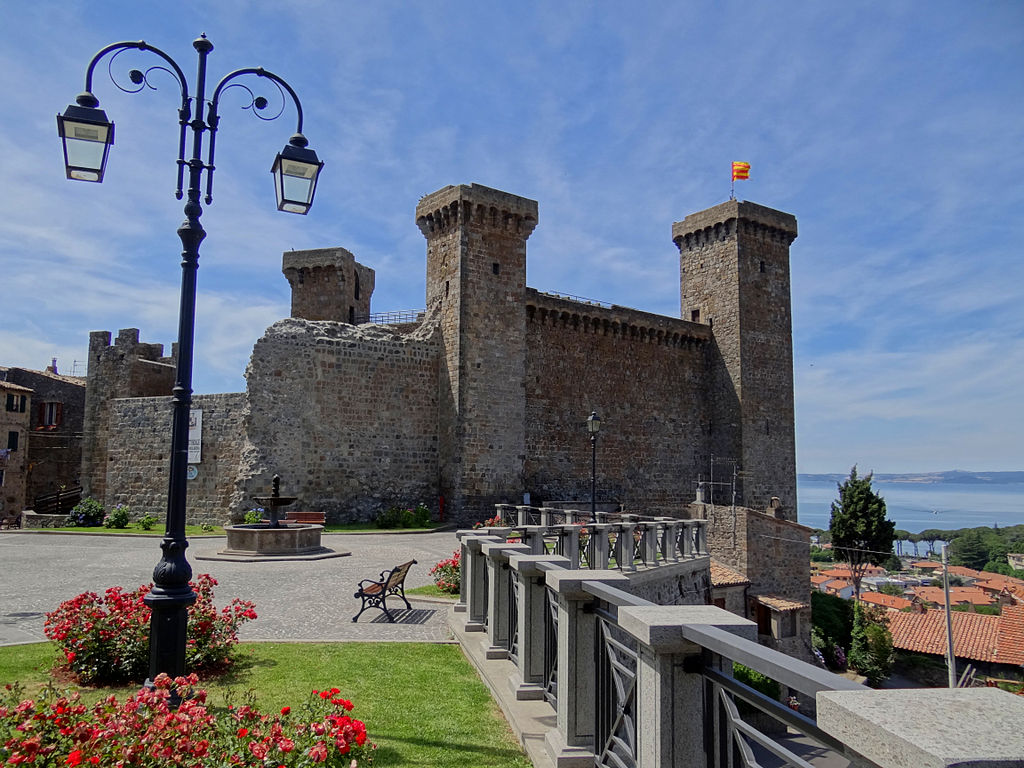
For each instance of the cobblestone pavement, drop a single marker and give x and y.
(299, 600)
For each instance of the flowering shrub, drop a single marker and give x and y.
(146, 522)
(448, 573)
(491, 522)
(118, 517)
(86, 513)
(57, 730)
(253, 516)
(106, 639)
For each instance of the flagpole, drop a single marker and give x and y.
(732, 185)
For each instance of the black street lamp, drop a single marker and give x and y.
(87, 136)
(593, 427)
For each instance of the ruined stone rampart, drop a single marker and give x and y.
(347, 415)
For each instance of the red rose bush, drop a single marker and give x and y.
(105, 639)
(55, 730)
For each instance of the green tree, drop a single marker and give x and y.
(891, 589)
(969, 550)
(861, 534)
(900, 536)
(870, 647)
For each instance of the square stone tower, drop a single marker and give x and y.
(476, 281)
(734, 276)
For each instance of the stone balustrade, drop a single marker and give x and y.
(632, 684)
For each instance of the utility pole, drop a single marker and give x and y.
(950, 658)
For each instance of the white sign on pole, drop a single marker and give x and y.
(195, 437)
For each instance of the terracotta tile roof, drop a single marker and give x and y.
(975, 636)
(13, 387)
(819, 578)
(894, 602)
(1010, 640)
(836, 585)
(925, 565)
(780, 603)
(995, 582)
(721, 576)
(968, 573)
(842, 571)
(957, 595)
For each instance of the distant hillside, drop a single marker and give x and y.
(952, 476)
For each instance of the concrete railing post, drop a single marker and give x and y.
(649, 541)
(599, 550)
(474, 567)
(571, 744)
(625, 545)
(686, 550)
(460, 536)
(669, 685)
(522, 515)
(528, 681)
(670, 539)
(496, 555)
(702, 537)
(570, 536)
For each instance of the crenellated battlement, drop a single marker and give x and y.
(617, 322)
(725, 221)
(477, 206)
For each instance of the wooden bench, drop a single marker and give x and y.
(374, 594)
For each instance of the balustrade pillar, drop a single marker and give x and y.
(702, 537)
(496, 555)
(687, 539)
(528, 682)
(570, 538)
(669, 687)
(474, 570)
(598, 544)
(571, 744)
(670, 539)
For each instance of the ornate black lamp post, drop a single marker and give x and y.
(593, 427)
(87, 136)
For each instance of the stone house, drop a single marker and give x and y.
(54, 437)
(15, 411)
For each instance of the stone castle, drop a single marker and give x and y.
(483, 397)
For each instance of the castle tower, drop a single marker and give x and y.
(476, 279)
(734, 277)
(328, 284)
(126, 369)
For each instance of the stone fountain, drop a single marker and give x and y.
(273, 540)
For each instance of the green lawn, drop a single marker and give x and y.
(422, 703)
(430, 590)
(195, 530)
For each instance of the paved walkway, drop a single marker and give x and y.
(295, 601)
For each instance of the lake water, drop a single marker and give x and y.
(915, 507)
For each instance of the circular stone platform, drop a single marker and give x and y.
(261, 542)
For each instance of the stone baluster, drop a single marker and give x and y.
(545, 516)
(496, 555)
(473, 569)
(570, 537)
(533, 537)
(702, 537)
(670, 539)
(599, 545)
(650, 535)
(669, 686)
(624, 544)
(460, 536)
(528, 683)
(572, 741)
(687, 539)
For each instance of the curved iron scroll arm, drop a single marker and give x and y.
(213, 118)
(87, 99)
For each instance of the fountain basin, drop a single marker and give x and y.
(262, 541)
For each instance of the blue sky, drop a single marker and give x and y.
(891, 130)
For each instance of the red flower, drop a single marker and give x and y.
(285, 710)
(243, 732)
(70, 656)
(74, 758)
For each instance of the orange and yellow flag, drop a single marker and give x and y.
(740, 171)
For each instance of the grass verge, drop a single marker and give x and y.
(422, 703)
(431, 590)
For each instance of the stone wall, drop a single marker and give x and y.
(685, 583)
(644, 374)
(139, 450)
(346, 415)
(126, 369)
(328, 284)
